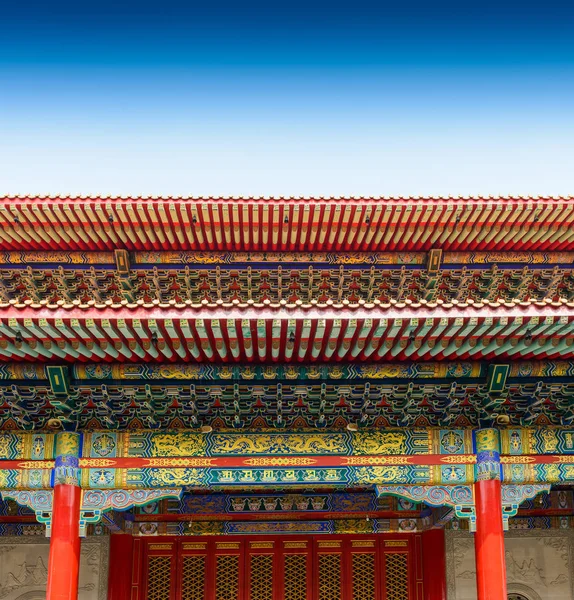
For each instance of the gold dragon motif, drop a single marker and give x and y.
(283, 444)
(178, 444)
(379, 442)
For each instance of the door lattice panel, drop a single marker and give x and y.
(326, 567)
(363, 576)
(261, 577)
(159, 578)
(227, 577)
(295, 577)
(396, 576)
(329, 577)
(193, 578)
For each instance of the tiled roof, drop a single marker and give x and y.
(170, 335)
(287, 224)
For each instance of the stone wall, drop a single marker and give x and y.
(24, 564)
(538, 564)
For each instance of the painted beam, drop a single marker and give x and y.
(211, 260)
(223, 373)
(235, 459)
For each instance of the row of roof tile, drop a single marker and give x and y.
(275, 225)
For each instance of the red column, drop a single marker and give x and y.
(64, 561)
(121, 561)
(489, 542)
(434, 565)
(489, 535)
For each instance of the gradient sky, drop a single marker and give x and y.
(287, 99)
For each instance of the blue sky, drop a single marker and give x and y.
(293, 99)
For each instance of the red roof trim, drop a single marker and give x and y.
(163, 312)
(292, 199)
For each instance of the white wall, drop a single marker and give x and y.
(538, 564)
(24, 562)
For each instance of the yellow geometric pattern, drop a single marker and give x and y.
(227, 577)
(159, 578)
(295, 577)
(193, 578)
(363, 576)
(261, 577)
(396, 576)
(329, 577)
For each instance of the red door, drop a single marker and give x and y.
(346, 567)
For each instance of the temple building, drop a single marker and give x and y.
(286, 399)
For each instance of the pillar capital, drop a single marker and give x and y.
(487, 440)
(67, 463)
(68, 443)
(488, 505)
(64, 561)
(487, 444)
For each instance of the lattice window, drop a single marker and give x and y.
(295, 577)
(193, 578)
(330, 577)
(159, 578)
(396, 576)
(227, 577)
(261, 577)
(363, 576)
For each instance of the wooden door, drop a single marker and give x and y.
(193, 570)
(328, 567)
(160, 568)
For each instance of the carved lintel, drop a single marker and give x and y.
(461, 497)
(433, 495)
(94, 503)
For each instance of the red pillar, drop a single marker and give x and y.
(434, 565)
(64, 561)
(121, 561)
(489, 535)
(489, 542)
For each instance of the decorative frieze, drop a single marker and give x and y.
(93, 504)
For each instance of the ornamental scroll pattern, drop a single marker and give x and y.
(94, 503)
(104, 500)
(461, 498)
(456, 495)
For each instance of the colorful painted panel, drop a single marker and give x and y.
(26, 446)
(547, 440)
(256, 373)
(172, 444)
